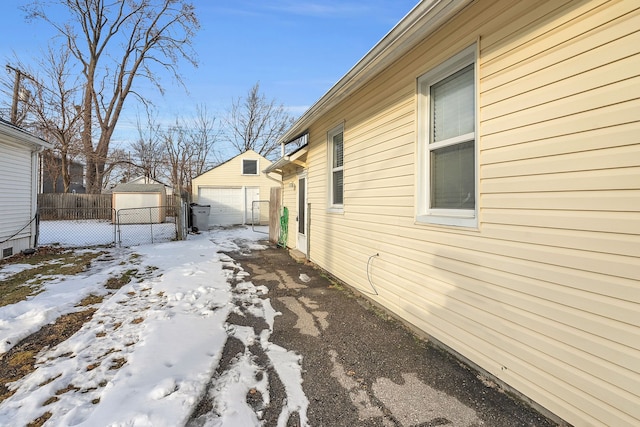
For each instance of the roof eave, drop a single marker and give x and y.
(421, 21)
(286, 160)
(21, 135)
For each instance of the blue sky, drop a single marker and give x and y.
(297, 50)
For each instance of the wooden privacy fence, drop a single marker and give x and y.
(68, 206)
(61, 206)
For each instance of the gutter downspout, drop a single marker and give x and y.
(35, 187)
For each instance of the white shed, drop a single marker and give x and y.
(139, 203)
(19, 185)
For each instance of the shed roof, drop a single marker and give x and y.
(138, 188)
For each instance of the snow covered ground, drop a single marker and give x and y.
(148, 353)
(82, 233)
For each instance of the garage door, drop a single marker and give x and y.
(227, 204)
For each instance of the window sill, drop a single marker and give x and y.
(335, 209)
(462, 219)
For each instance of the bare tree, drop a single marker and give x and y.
(188, 147)
(51, 169)
(54, 105)
(202, 135)
(115, 42)
(178, 154)
(147, 149)
(256, 123)
(47, 105)
(118, 168)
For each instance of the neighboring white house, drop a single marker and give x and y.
(232, 188)
(19, 185)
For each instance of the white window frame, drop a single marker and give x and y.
(335, 207)
(257, 167)
(426, 214)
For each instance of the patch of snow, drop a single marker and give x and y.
(58, 297)
(305, 278)
(150, 350)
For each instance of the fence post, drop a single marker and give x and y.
(115, 228)
(184, 218)
(274, 214)
(177, 202)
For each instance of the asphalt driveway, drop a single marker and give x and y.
(361, 368)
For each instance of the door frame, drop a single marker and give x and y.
(248, 190)
(302, 239)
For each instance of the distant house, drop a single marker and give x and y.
(19, 184)
(52, 176)
(232, 187)
(477, 173)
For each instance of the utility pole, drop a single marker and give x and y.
(16, 93)
(19, 93)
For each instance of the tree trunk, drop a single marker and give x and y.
(66, 178)
(87, 142)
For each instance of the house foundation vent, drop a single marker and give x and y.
(6, 252)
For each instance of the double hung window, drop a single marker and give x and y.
(336, 162)
(447, 142)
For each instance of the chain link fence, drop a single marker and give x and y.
(139, 226)
(75, 227)
(86, 227)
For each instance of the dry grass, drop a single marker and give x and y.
(115, 283)
(38, 422)
(46, 265)
(21, 359)
(90, 300)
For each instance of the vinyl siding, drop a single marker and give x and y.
(229, 175)
(544, 293)
(15, 195)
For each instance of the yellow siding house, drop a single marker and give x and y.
(477, 173)
(232, 187)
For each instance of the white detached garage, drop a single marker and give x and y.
(231, 189)
(139, 203)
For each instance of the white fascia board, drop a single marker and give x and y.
(17, 135)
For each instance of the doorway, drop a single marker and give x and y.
(302, 214)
